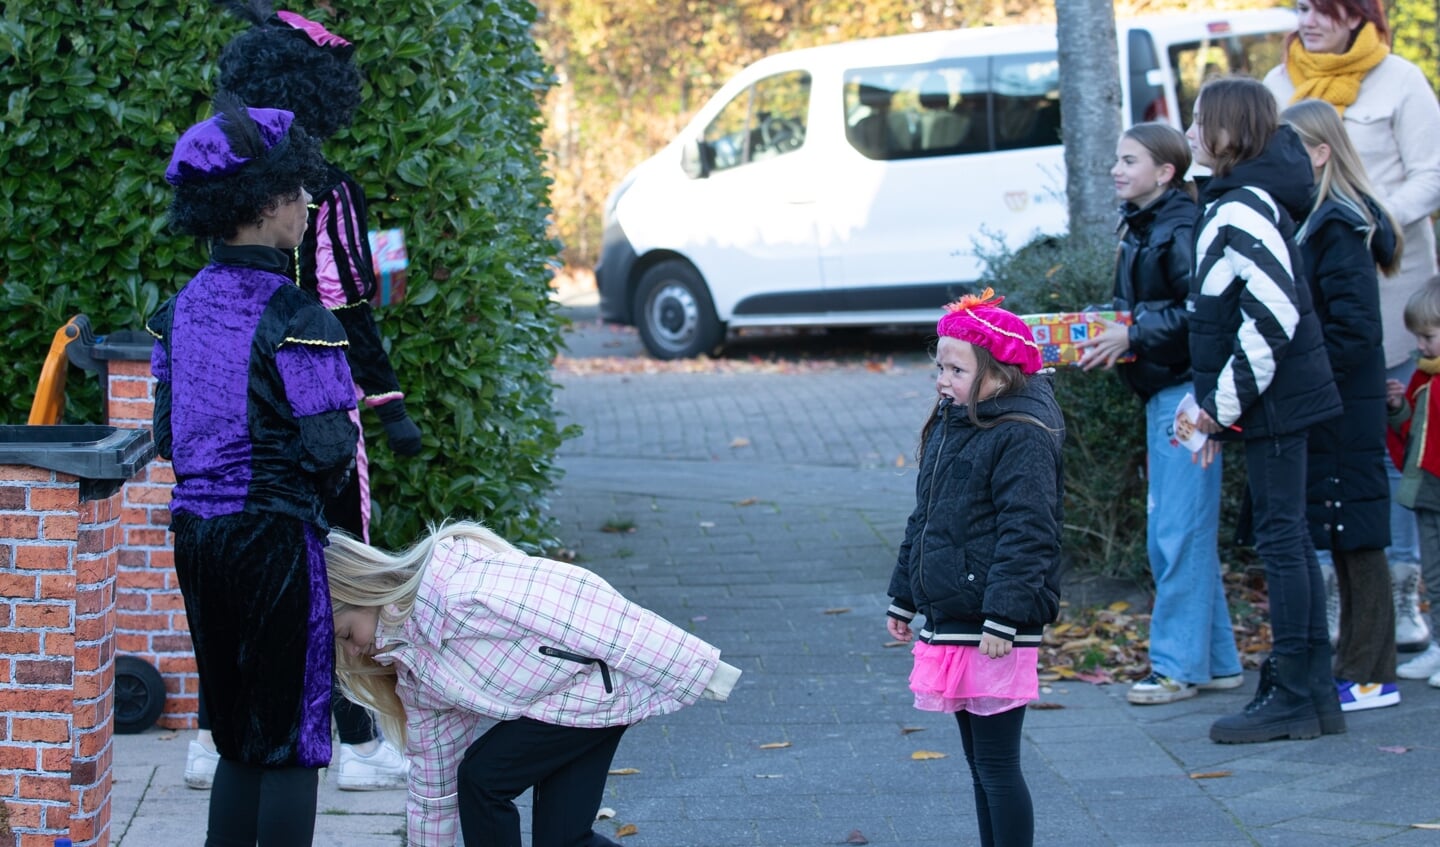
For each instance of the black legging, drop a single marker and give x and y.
(352, 720)
(1002, 799)
(566, 766)
(271, 807)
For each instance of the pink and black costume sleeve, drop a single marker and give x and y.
(335, 264)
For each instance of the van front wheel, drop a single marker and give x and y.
(674, 313)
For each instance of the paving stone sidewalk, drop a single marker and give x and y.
(762, 511)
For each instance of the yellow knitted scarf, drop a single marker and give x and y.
(1430, 366)
(1335, 77)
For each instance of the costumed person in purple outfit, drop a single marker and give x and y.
(253, 403)
(981, 554)
(284, 61)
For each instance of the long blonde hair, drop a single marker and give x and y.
(362, 577)
(1342, 178)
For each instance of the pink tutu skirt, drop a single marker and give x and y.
(949, 678)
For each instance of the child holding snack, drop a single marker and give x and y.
(1412, 408)
(1192, 646)
(252, 406)
(1345, 236)
(501, 672)
(981, 554)
(1262, 376)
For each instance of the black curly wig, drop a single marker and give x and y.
(218, 208)
(276, 66)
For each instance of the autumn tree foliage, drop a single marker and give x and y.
(629, 73)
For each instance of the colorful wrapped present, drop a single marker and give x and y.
(387, 249)
(1057, 333)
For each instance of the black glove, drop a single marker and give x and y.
(404, 435)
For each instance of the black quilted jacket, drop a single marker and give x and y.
(982, 548)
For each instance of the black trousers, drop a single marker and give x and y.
(1002, 799)
(566, 767)
(271, 807)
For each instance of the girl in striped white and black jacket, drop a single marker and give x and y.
(1262, 376)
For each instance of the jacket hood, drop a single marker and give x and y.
(1382, 239)
(1036, 399)
(1282, 169)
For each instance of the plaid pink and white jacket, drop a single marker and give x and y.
(481, 646)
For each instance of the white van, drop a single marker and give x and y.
(847, 185)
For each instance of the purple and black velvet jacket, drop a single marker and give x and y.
(258, 419)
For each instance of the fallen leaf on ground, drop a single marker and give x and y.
(624, 771)
(926, 755)
(856, 837)
(740, 442)
(1045, 705)
(775, 745)
(895, 644)
(900, 461)
(839, 610)
(1109, 643)
(748, 501)
(627, 829)
(906, 730)
(1394, 750)
(1211, 774)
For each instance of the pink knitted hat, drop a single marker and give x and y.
(979, 320)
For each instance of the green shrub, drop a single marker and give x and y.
(1104, 420)
(447, 140)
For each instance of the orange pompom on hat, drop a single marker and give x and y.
(979, 320)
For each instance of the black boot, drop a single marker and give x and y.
(1322, 690)
(1284, 709)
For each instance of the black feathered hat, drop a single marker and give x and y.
(286, 61)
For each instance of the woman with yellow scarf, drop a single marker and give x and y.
(1340, 53)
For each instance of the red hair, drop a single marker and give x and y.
(1368, 11)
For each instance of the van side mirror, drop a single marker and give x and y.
(695, 159)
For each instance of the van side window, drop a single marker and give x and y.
(954, 107)
(766, 120)
(1026, 92)
(1194, 62)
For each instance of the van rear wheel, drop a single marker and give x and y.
(674, 314)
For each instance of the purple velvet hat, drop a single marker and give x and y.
(205, 152)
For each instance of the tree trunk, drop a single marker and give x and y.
(1089, 113)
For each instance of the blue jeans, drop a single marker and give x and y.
(1276, 466)
(1404, 536)
(1190, 635)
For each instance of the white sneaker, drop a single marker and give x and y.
(1423, 666)
(200, 766)
(387, 767)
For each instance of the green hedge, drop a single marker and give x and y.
(447, 141)
(1105, 422)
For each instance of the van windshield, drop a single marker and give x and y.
(954, 106)
(1194, 62)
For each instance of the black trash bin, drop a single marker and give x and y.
(103, 458)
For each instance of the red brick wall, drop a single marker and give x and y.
(151, 624)
(58, 563)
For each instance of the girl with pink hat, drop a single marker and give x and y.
(981, 555)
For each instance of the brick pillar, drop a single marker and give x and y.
(152, 623)
(58, 563)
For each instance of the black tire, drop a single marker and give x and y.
(674, 314)
(139, 695)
